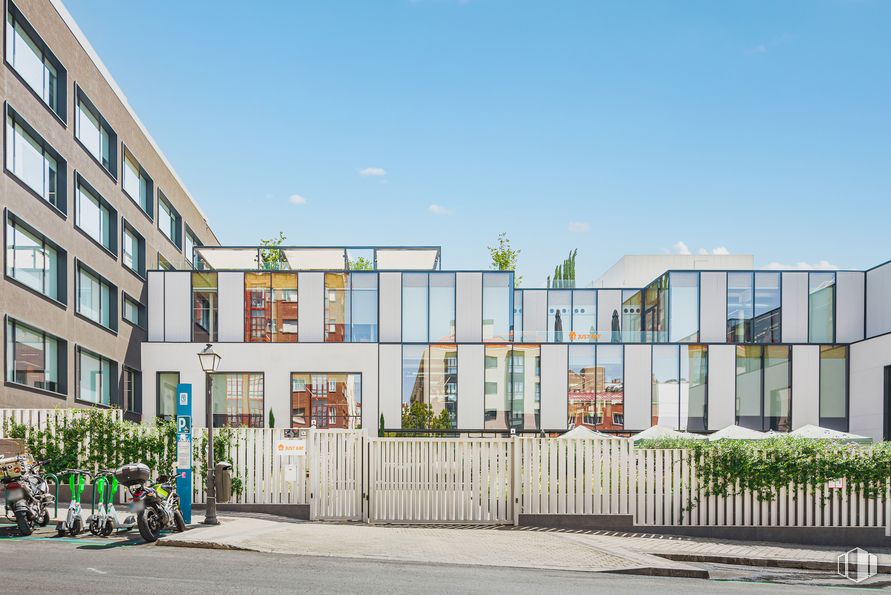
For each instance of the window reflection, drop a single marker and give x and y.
(655, 317)
(584, 316)
(665, 394)
(204, 307)
(631, 316)
(237, 399)
(336, 307)
(326, 400)
(414, 307)
(763, 387)
(766, 325)
(559, 315)
(684, 305)
(442, 306)
(821, 307)
(497, 307)
(834, 387)
(429, 387)
(512, 387)
(693, 387)
(596, 387)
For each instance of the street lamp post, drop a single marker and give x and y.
(210, 361)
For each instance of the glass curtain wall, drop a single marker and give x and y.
(596, 387)
(33, 358)
(749, 381)
(442, 306)
(204, 307)
(693, 387)
(498, 307)
(559, 315)
(821, 307)
(631, 316)
(429, 386)
(767, 310)
(512, 394)
(284, 307)
(584, 316)
(834, 387)
(683, 302)
(665, 386)
(518, 314)
(325, 400)
(414, 307)
(764, 387)
(337, 307)
(363, 307)
(655, 317)
(740, 307)
(237, 399)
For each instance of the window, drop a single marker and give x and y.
(191, 241)
(270, 301)
(96, 378)
(429, 387)
(133, 312)
(164, 264)
(204, 307)
(337, 307)
(821, 307)
(631, 316)
(582, 385)
(35, 358)
(167, 383)
(512, 387)
(95, 217)
(237, 399)
(683, 303)
(133, 250)
(414, 307)
(137, 185)
(34, 162)
(442, 306)
(834, 387)
(34, 62)
(655, 314)
(666, 396)
(740, 307)
(326, 400)
(96, 298)
(131, 384)
(753, 307)
(693, 408)
(767, 321)
(34, 261)
(498, 306)
(559, 317)
(518, 315)
(363, 307)
(596, 386)
(764, 387)
(169, 221)
(95, 134)
(584, 316)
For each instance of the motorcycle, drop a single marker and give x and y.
(156, 505)
(27, 493)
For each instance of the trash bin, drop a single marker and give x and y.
(223, 481)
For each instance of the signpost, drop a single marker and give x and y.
(184, 449)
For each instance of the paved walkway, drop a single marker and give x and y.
(480, 547)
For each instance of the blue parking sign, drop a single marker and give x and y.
(184, 449)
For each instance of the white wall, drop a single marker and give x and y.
(155, 305)
(230, 292)
(177, 306)
(849, 295)
(867, 387)
(805, 385)
(713, 307)
(554, 379)
(721, 386)
(638, 408)
(608, 301)
(390, 403)
(535, 315)
(878, 300)
(311, 304)
(390, 300)
(795, 307)
(468, 308)
(471, 362)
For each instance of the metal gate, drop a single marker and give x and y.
(336, 475)
(439, 480)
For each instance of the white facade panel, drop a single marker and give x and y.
(554, 379)
(311, 296)
(638, 406)
(609, 302)
(849, 295)
(713, 307)
(867, 413)
(230, 293)
(155, 306)
(390, 300)
(469, 307)
(878, 300)
(178, 306)
(805, 384)
(535, 315)
(471, 362)
(795, 307)
(721, 386)
(390, 401)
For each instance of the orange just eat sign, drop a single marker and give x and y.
(291, 447)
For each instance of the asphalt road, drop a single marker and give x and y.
(95, 565)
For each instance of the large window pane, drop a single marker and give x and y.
(96, 381)
(33, 358)
(257, 307)
(610, 387)
(337, 307)
(139, 187)
(834, 387)
(284, 307)
(582, 385)
(748, 386)
(767, 308)
(497, 306)
(496, 391)
(655, 318)
(684, 305)
(524, 382)
(94, 135)
(693, 387)
(631, 316)
(415, 387)
(363, 307)
(740, 307)
(665, 395)
(326, 400)
(584, 316)
(238, 399)
(167, 382)
(204, 307)
(169, 221)
(96, 298)
(559, 315)
(518, 314)
(414, 307)
(442, 306)
(32, 261)
(821, 307)
(777, 389)
(94, 217)
(443, 394)
(133, 251)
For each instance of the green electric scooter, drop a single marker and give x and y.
(73, 523)
(105, 521)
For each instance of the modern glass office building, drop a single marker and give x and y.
(307, 337)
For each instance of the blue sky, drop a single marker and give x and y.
(622, 127)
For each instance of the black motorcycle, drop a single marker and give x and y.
(27, 493)
(156, 505)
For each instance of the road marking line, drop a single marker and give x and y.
(97, 571)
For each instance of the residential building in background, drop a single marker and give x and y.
(308, 341)
(89, 204)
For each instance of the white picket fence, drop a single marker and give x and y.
(40, 418)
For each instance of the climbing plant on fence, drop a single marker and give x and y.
(728, 467)
(223, 442)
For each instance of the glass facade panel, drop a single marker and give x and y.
(415, 387)
(96, 299)
(683, 304)
(95, 378)
(325, 400)
(443, 393)
(94, 217)
(29, 160)
(337, 307)
(414, 307)
(584, 316)
(497, 393)
(821, 307)
(582, 384)
(133, 251)
(32, 261)
(257, 307)
(559, 315)
(284, 307)
(497, 307)
(665, 386)
(237, 399)
(518, 313)
(92, 134)
(693, 387)
(524, 383)
(442, 306)
(767, 313)
(167, 382)
(363, 307)
(610, 391)
(204, 307)
(25, 55)
(748, 386)
(740, 307)
(834, 387)
(655, 316)
(631, 330)
(33, 358)
(777, 389)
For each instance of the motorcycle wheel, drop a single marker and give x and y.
(44, 519)
(77, 527)
(179, 521)
(21, 519)
(107, 529)
(149, 522)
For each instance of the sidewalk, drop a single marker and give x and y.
(427, 545)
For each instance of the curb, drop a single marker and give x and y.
(764, 562)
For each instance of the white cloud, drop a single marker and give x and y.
(375, 172)
(680, 248)
(579, 227)
(720, 250)
(821, 265)
(439, 210)
(296, 199)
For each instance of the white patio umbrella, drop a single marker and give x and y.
(657, 432)
(585, 432)
(734, 432)
(818, 433)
